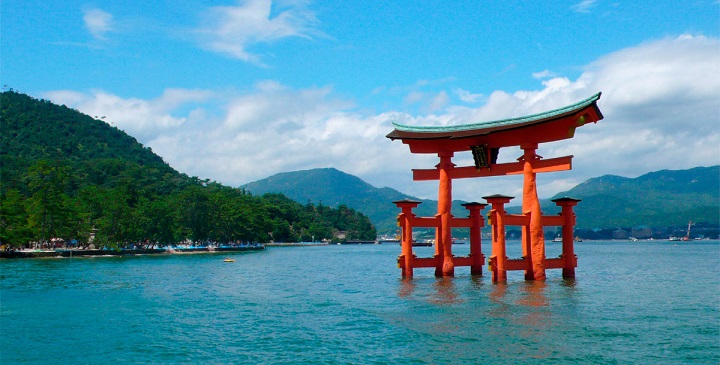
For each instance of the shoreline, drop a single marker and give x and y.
(296, 244)
(26, 254)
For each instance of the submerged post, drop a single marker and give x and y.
(568, 237)
(476, 223)
(405, 260)
(498, 259)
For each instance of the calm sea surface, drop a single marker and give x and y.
(632, 303)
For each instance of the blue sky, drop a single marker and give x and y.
(236, 91)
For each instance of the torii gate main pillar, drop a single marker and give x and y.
(444, 236)
(533, 238)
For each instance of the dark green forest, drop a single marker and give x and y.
(64, 174)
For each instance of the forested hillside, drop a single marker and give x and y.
(660, 198)
(667, 198)
(64, 174)
(332, 187)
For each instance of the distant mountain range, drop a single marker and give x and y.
(329, 186)
(662, 198)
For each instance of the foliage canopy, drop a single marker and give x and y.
(64, 174)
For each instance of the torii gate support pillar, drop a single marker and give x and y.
(568, 236)
(498, 260)
(407, 258)
(476, 223)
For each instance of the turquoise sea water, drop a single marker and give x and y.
(632, 303)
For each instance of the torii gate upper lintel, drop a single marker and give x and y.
(485, 140)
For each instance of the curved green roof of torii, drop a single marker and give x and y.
(497, 124)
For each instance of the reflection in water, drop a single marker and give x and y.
(446, 292)
(537, 317)
(521, 315)
(407, 287)
(501, 309)
(476, 282)
(534, 296)
(498, 293)
(570, 283)
(524, 311)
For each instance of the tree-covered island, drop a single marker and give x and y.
(68, 178)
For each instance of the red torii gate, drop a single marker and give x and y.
(484, 140)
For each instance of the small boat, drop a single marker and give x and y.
(425, 243)
(557, 239)
(227, 259)
(422, 243)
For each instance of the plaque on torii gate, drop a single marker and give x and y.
(484, 140)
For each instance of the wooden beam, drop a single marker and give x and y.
(425, 222)
(553, 220)
(461, 222)
(554, 263)
(425, 262)
(502, 169)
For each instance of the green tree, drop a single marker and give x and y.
(193, 211)
(156, 221)
(14, 230)
(48, 207)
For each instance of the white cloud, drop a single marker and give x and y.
(543, 74)
(661, 102)
(583, 6)
(98, 22)
(276, 129)
(438, 101)
(231, 30)
(142, 119)
(428, 102)
(467, 97)
(414, 97)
